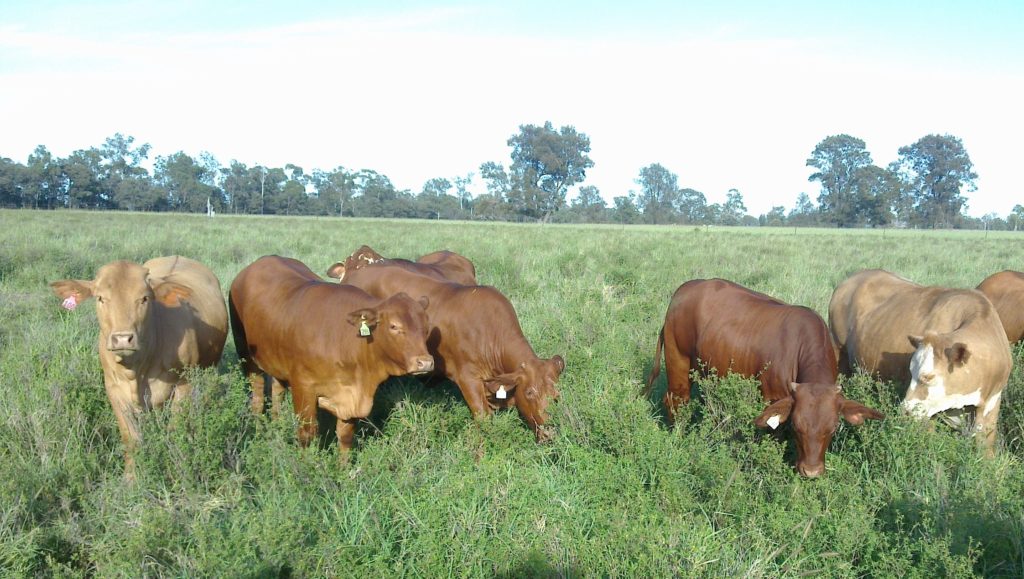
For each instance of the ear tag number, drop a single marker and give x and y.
(364, 330)
(501, 394)
(69, 303)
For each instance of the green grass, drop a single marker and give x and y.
(428, 492)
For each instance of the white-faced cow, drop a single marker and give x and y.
(947, 344)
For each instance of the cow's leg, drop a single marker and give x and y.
(276, 396)
(127, 423)
(474, 393)
(677, 370)
(986, 418)
(346, 430)
(305, 404)
(257, 384)
(180, 396)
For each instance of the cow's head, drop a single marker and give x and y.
(398, 328)
(813, 411)
(125, 297)
(937, 370)
(530, 387)
(362, 257)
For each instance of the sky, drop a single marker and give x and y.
(726, 95)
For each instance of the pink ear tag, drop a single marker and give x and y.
(69, 303)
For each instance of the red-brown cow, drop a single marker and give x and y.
(476, 342)
(331, 344)
(440, 265)
(788, 348)
(1006, 292)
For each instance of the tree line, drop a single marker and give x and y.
(922, 188)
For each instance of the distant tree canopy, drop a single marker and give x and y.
(922, 188)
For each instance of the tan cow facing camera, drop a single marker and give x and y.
(156, 320)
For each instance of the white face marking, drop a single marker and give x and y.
(927, 393)
(922, 368)
(991, 404)
(773, 421)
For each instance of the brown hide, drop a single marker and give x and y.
(477, 343)
(155, 320)
(440, 265)
(947, 345)
(305, 332)
(727, 327)
(1006, 292)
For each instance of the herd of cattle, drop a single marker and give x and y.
(332, 344)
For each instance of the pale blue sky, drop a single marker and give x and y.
(724, 94)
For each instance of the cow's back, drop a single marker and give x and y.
(452, 266)
(1006, 292)
(202, 311)
(874, 312)
(732, 328)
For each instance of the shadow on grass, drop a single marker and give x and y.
(535, 564)
(973, 529)
(395, 391)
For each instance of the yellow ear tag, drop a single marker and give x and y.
(501, 394)
(364, 330)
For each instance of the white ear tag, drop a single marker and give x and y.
(773, 422)
(364, 330)
(501, 394)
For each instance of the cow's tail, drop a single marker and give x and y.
(656, 368)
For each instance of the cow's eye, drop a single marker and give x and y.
(99, 299)
(395, 328)
(144, 299)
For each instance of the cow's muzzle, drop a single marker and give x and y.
(123, 342)
(422, 365)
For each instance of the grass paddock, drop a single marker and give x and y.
(430, 492)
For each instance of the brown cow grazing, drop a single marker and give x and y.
(731, 328)
(440, 265)
(1006, 292)
(948, 344)
(331, 344)
(156, 319)
(477, 343)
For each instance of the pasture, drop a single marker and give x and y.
(429, 492)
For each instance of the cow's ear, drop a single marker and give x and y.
(170, 294)
(855, 413)
(559, 363)
(77, 289)
(958, 353)
(502, 385)
(916, 341)
(775, 414)
(337, 271)
(367, 315)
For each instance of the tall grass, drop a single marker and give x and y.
(428, 491)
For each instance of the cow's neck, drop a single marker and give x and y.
(816, 369)
(511, 352)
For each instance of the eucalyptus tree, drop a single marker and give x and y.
(936, 168)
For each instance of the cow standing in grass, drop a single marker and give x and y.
(331, 344)
(477, 342)
(947, 344)
(156, 320)
(728, 327)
